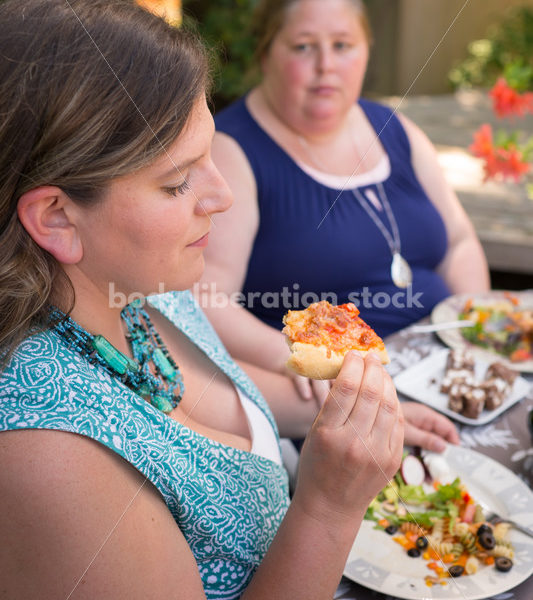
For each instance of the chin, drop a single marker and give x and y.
(186, 280)
(325, 110)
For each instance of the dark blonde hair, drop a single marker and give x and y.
(269, 17)
(89, 90)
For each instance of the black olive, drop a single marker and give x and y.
(483, 528)
(422, 543)
(504, 564)
(456, 571)
(487, 541)
(413, 552)
(391, 529)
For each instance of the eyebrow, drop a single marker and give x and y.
(177, 169)
(311, 34)
(181, 167)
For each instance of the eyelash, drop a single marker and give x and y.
(178, 189)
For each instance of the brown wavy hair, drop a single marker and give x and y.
(90, 90)
(269, 17)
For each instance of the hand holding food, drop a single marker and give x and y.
(320, 336)
(355, 444)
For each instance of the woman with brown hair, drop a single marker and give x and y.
(138, 460)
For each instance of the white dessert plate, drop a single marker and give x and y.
(421, 382)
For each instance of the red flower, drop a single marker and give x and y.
(483, 146)
(499, 162)
(505, 163)
(508, 102)
(512, 163)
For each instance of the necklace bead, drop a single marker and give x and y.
(118, 361)
(163, 387)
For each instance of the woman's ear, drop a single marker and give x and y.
(47, 215)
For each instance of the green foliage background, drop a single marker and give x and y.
(507, 47)
(225, 27)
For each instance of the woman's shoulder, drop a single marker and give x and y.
(49, 385)
(375, 110)
(235, 116)
(390, 129)
(61, 496)
(45, 369)
(240, 121)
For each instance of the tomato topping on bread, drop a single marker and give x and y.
(321, 335)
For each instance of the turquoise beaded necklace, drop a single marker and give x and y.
(163, 389)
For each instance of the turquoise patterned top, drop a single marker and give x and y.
(227, 502)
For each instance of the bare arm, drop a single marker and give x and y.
(362, 426)
(94, 528)
(464, 267)
(227, 256)
(77, 518)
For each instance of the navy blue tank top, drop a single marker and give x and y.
(299, 257)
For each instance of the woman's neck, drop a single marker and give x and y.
(294, 123)
(338, 149)
(94, 311)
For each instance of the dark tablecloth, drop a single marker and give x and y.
(505, 439)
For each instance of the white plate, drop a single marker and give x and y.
(422, 381)
(381, 564)
(449, 309)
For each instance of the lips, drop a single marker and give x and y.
(200, 242)
(323, 90)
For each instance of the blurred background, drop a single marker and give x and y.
(464, 42)
(435, 61)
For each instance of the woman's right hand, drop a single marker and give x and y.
(355, 444)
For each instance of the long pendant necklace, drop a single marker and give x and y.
(400, 271)
(163, 387)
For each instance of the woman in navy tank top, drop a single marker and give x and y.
(336, 197)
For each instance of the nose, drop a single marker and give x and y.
(324, 59)
(217, 196)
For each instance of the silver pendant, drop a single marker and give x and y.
(400, 271)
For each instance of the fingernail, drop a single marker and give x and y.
(439, 446)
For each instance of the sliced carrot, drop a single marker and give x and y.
(403, 541)
(434, 555)
(383, 522)
(462, 560)
(448, 558)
